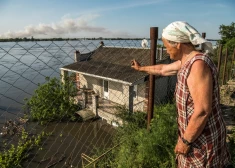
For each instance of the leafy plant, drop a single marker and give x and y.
(227, 32)
(53, 101)
(16, 154)
(139, 147)
(231, 145)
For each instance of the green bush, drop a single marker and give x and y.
(231, 146)
(139, 147)
(53, 101)
(16, 154)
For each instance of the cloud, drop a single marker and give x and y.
(65, 27)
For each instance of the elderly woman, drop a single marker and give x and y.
(201, 128)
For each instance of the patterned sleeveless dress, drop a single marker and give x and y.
(209, 149)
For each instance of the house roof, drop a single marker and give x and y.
(112, 63)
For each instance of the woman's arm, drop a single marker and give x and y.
(200, 87)
(159, 70)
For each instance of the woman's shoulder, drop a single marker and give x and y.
(203, 57)
(201, 60)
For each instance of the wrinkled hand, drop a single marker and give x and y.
(135, 65)
(181, 148)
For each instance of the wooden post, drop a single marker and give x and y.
(225, 64)
(219, 59)
(233, 65)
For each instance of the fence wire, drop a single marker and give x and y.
(103, 79)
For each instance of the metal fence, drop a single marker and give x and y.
(103, 78)
(25, 65)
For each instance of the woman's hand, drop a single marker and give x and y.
(181, 148)
(135, 65)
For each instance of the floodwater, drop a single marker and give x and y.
(23, 66)
(68, 141)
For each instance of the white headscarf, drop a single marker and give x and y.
(182, 32)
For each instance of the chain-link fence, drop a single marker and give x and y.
(102, 78)
(59, 99)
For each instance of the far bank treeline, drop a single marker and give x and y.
(64, 39)
(227, 33)
(74, 39)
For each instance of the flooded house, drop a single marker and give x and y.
(105, 80)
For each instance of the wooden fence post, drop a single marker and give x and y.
(225, 64)
(219, 58)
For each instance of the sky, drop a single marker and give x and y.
(109, 18)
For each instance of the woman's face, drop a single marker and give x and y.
(173, 51)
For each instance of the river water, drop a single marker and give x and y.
(26, 64)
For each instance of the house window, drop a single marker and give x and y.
(106, 89)
(106, 86)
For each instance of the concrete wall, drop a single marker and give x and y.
(139, 100)
(95, 84)
(118, 92)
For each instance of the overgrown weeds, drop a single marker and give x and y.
(13, 155)
(138, 147)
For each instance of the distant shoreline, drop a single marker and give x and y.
(74, 39)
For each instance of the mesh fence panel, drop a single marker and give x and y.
(104, 81)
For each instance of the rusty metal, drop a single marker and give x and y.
(153, 46)
(225, 65)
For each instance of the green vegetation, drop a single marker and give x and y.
(53, 101)
(231, 146)
(227, 32)
(135, 146)
(14, 156)
(138, 147)
(227, 41)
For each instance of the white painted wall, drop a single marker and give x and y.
(118, 92)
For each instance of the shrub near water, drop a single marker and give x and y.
(231, 146)
(142, 148)
(15, 155)
(53, 101)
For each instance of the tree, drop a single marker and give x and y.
(53, 101)
(227, 32)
